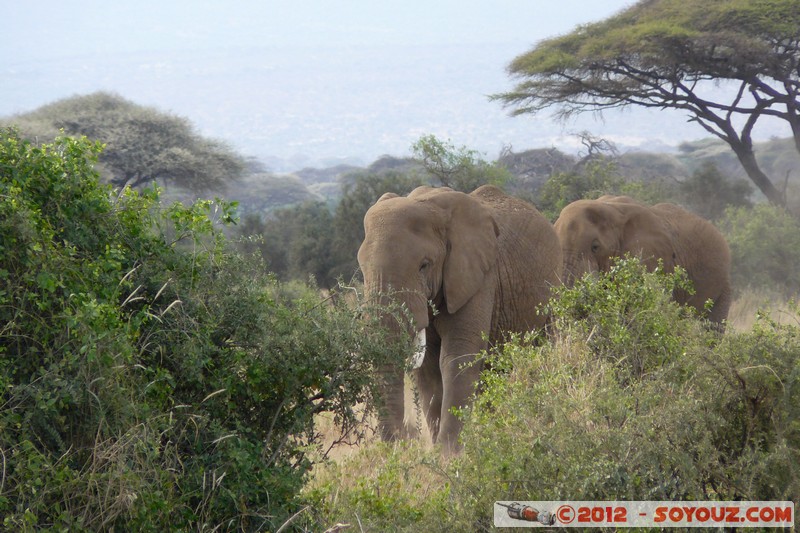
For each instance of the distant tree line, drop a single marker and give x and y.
(319, 241)
(301, 234)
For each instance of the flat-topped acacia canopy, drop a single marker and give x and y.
(672, 54)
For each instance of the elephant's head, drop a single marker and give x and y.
(592, 232)
(433, 245)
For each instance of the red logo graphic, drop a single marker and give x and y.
(565, 514)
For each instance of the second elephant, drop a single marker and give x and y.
(592, 232)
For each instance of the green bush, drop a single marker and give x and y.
(765, 248)
(709, 193)
(630, 398)
(626, 316)
(706, 192)
(592, 180)
(460, 169)
(152, 380)
(295, 243)
(663, 411)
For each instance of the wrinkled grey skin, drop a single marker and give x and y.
(592, 232)
(485, 260)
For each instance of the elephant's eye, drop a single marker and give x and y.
(424, 266)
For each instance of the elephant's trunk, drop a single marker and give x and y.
(402, 308)
(575, 267)
(391, 414)
(568, 275)
(394, 307)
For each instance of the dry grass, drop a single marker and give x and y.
(337, 446)
(746, 307)
(378, 485)
(363, 476)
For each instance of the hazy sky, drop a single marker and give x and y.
(48, 28)
(322, 78)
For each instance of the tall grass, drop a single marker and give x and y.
(753, 303)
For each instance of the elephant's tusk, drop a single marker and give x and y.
(419, 354)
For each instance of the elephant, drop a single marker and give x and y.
(592, 232)
(468, 268)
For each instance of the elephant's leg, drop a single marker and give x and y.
(719, 312)
(462, 343)
(429, 383)
(390, 414)
(460, 375)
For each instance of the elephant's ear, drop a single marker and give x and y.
(645, 235)
(472, 251)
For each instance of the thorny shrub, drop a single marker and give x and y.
(151, 379)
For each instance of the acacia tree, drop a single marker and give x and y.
(143, 145)
(671, 54)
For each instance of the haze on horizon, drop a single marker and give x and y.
(311, 80)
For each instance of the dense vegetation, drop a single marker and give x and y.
(154, 378)
(631, 399)
(151, 379)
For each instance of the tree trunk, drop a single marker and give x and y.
(748, 160)
(120, 181)
(796, 134)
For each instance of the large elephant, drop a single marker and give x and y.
(468, 267)
(592, 232)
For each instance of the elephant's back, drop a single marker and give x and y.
(530, 261)
(525, 235)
